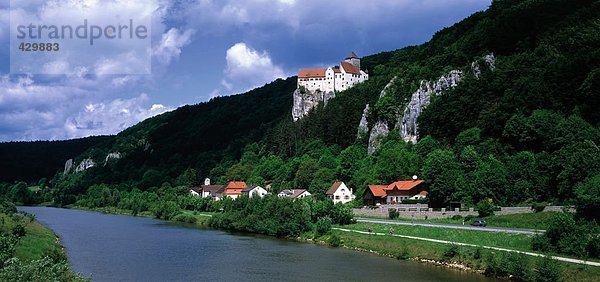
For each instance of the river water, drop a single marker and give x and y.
(125, 248)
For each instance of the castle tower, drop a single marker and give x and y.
(353, 59)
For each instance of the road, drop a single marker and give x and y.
(565, 259)
(451, 226)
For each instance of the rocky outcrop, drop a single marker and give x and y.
(409, 128)
(305, 100)
(363, 126)
(112, 156)
(379, 131)
(68, 166)
(85, 165)
(489, 60)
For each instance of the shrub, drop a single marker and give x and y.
(456, 217)
(18, 230)
(335, 240)
(538, 207)
(393, 213)
(186, 218)
(323, 226)
(547, 270)
(486, 208)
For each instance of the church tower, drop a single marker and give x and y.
(353, 59)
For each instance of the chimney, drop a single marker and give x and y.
(206, 181)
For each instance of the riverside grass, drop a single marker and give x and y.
(38, 241)
(459, 257)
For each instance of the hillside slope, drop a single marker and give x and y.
(526, 130)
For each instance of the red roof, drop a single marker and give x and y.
(350, 68)
(234, 187)
(308, 73)
(378, 190)
(404, 185)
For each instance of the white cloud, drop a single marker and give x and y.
(248, 68)
(171, 44)
(111, 117)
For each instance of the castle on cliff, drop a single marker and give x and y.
(332, 79)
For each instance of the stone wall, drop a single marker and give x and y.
(423, 211)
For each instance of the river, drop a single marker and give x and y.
(125, 248)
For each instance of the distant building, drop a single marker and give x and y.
(395, 193)
(340, 193)
(294, 193)
(331, 79)
(254, 191)
(233, 189)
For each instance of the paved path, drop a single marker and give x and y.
(451, 226)
(578, 261)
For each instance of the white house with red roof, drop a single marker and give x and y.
(332, 79)
(396, 192)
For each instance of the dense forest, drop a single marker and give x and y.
(526, 131)
(33, 161)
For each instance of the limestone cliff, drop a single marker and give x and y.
(112, 156)
(68, 166)
(380, 129)
(420, 99)
(305, 100)
(363, 126)
(85, 165)
(409, 128)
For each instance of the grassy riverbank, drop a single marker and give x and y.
(30, 251)
(476, 259)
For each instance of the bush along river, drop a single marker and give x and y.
(125, 248)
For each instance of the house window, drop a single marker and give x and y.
(337, 197)
(346, 197)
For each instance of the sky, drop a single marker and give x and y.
(194, 50)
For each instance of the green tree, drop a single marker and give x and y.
(588, 198)
(442, 173)
(395, 161)
(304, 176)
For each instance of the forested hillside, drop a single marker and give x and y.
(526, 131)
(32, 161)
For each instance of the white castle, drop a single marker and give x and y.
(332, 79)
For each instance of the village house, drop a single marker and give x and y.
(339, 193)
(294, 193)
(332, 79)
(232, 189)
(394, 193)
(254, 191)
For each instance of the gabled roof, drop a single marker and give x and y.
(196, 189)
(292, 193)
(405, 185)
(307, 73)
(297, 192)
(350, 68)
(334, 188)
(352, 55)
(235, 187)
(250, 188)
(378, 190)
(214, 190)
